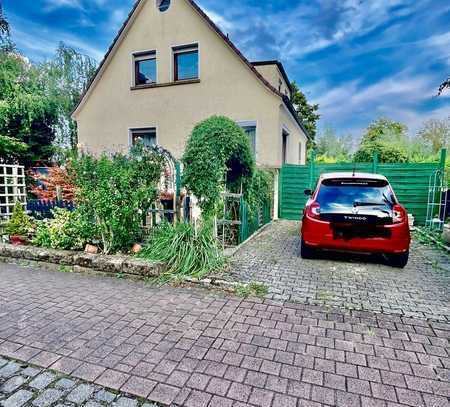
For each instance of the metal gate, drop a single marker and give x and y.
(410, 182)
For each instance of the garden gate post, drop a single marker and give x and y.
(375, 162)
(443, 159)
(312, 168)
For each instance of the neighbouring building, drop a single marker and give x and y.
(170, 67)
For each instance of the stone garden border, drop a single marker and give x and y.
(80, 261)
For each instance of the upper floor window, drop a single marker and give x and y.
(146, 137)
(144, 68)
(185, 62)
(163, 5)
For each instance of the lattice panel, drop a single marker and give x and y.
(12, 189)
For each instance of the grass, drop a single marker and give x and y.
(187, 252)
(251, 290)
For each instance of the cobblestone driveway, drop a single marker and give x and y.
(421, 290)
(197, 348)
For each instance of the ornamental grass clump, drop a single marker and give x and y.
(185, 250)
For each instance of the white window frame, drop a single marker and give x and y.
(137, 128)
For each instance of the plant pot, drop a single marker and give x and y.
(17, 240)
(446, 234)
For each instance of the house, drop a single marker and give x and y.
(169, 68)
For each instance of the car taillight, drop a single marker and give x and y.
(399, 214)
(314, 210)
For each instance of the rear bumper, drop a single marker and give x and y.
(319, 234)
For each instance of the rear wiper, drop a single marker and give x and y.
(357, 203)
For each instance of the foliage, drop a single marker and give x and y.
(306, 111)
(444, 85)
(331, 148)
(4, 26)
(36, 100)
(11, 149)
(260, 190)
(115, 191)
(252, 290)
(46, 185)
(68, 230)
(186, 252)
(27, 114)
(68, 75)
(217, 153)
(436, 133)
(20, 223)
(387, 138)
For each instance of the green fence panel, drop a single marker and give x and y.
(253, 220)
(410, 182)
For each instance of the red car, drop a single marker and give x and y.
(355, 212)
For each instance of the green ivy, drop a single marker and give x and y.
(217, 154)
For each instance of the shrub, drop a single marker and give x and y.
(217, 153)
(115, 191)
(20, 223)
(67, 230)
(260, 189)
(186, 252)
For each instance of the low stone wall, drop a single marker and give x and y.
(126, 265)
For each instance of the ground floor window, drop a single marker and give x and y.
(284, 148)
(146, 136)
(300, 152)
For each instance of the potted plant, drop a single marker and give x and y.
(19, 226)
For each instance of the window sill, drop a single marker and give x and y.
(163, 85)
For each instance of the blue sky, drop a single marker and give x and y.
(359, 59)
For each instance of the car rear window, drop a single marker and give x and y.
(337, 194)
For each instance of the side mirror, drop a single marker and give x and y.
(308, 192)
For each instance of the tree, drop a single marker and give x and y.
(4, 25)
(333, 148)
(436, 133)
(27, 113)
(444, 85)
(386, 137)
(11, 149)
(68, 75)
(306, 111)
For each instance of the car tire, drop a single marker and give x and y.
(307, 252)
(399, 260)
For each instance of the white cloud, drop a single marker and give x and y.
(224, 24)
(55, 4)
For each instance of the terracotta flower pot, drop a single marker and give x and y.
(17, 240)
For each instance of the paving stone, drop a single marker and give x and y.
(12, 384)
(43, 380)
(9, 369)
(105, 396)
(80, 393)
(31, 371)
(65, 383)
(125, 402)
(18, 399)
(47, 398)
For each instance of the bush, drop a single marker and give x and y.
(115, 191)
(67, 231)
(217, 153)
(20, 223)
(260, 189)
(186, 252)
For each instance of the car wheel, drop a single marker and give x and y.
(307, 252)
(399, 260)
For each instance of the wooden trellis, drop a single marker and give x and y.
(12, 189)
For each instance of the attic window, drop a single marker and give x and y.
(163, 5)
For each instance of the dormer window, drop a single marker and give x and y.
(144, 68)
(163, 5)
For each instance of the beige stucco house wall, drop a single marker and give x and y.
(227, 85)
